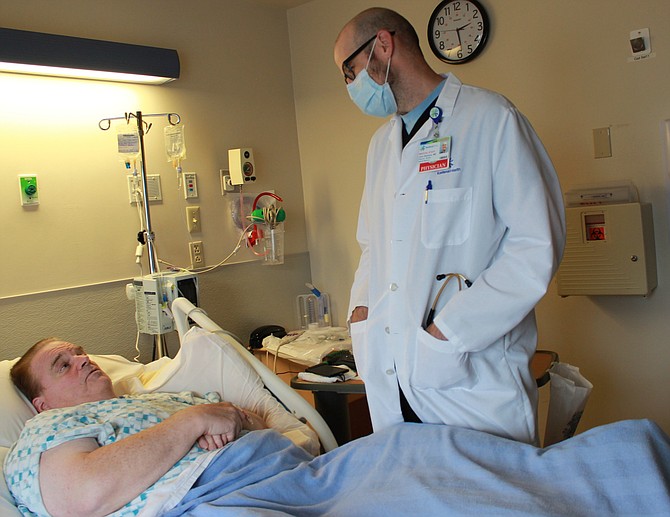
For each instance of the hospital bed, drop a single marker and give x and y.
(618, 469)
(202, 364)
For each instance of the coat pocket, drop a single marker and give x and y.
(437, 366)
(358, 333)
(445, 218)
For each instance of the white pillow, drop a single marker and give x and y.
(7, 507)
(14, 410)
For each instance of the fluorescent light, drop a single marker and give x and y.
(64, 56)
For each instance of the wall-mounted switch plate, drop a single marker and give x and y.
(193, 219)
(28, 189)
(640, 45)
(602, 144)
(640, 42)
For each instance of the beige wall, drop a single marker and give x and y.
(235, 90)
(565, 64)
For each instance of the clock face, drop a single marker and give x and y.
(457, 30)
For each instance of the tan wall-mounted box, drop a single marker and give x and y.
(609, 250)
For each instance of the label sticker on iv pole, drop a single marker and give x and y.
(434, 155)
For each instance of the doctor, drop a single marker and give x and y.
(457, 184)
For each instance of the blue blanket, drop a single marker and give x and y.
(415, 469)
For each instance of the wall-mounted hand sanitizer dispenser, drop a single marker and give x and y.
(609, 248)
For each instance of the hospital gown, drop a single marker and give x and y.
(107, 421)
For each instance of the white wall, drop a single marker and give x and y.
(565, 64)
(74, 252)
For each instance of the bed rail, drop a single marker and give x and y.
(183, 309)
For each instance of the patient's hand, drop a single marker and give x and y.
(229, 420)
(222, 423)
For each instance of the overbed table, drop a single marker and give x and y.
(331, 400)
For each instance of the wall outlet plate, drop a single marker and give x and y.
(197, 253)
(28, 189)
(154, 192)
(193, 219)
(227, 182)
(190, 183)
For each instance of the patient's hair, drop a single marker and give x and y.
(21, 375)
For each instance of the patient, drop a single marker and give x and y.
(167, 440)
(90, 453)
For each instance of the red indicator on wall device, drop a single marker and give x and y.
(595, 227)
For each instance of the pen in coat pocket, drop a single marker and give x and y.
(429, 187)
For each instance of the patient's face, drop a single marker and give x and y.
(68, 377)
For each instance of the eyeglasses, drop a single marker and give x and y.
(348, 72)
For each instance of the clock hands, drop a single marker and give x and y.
(457, 30)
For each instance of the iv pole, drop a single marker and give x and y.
(173, 119)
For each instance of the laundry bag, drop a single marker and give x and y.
(569, 392)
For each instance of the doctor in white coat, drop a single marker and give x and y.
(458, 184)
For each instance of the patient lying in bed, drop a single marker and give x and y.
(222, 469)
(89, 452)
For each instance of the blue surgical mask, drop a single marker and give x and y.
(372, 98)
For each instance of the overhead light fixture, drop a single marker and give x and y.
(28, 52)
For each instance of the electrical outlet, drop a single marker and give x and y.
(154, 192)
(197, 253)
(226, 183)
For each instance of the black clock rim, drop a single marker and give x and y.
(480, 47)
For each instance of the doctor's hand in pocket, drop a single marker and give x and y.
(359, 313)
(435, 332)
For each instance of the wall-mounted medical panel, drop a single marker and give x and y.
(609, 250)
(241, 164)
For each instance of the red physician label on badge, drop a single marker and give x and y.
(435, 166)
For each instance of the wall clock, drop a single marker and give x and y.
(458, 30)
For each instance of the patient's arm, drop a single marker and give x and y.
(82, 478)
(230, 375)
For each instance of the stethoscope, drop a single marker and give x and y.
(461, 280)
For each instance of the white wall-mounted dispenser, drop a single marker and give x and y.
(609, 248)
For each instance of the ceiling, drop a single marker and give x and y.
(285, 4)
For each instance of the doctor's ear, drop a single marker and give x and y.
(385, 40)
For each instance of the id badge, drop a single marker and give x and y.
(434, 155)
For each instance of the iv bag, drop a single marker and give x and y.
(128, 143)
(175, 146)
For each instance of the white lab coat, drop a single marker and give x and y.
(496, 216)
